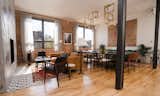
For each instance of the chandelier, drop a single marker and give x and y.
(91, 18)
(109, 13)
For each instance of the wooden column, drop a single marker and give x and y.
(120, 43)
(156, 34)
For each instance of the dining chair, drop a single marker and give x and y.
(132, 60)
(89, 58)
(96, 58)
(109, 60)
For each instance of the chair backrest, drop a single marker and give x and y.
(64, 55)
(42, 53)
(110, 56)
(133, 56)
(60, 64)
(96, 55)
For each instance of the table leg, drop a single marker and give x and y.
(81, 62)
(44, 72)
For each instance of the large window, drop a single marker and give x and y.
(45, 34)
(87, 34)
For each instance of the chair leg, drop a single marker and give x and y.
(128, 66)
(57, 76)
(36, 65)
(69, 74)
(106, 65)
(134, 66)
(45, 76)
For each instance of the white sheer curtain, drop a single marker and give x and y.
(89, 37)
(27, 35)
(84, 33)
(57, 34)
(79, 36)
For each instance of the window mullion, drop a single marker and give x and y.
(43, 34)
(84, 32)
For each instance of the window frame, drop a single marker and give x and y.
(84, 37)
(43, 33)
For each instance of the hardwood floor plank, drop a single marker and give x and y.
(144, 81)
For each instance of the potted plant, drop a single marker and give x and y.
(102, 48)
(143, 50)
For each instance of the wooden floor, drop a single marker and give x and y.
(144, 81)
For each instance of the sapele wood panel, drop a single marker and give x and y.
(131, 34)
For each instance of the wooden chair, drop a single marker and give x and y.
(95, 58)
(89, 58)
(132, 59)
(58, 67)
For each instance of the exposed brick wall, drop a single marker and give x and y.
(68, 27)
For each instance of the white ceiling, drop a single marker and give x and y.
(78, 9)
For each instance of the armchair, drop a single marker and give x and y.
(74, 61)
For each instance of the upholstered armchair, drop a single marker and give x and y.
(74, 60)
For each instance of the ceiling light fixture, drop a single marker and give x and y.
(91, 18)
(109, 13)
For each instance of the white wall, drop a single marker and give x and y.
(145, 30)
(7, 32)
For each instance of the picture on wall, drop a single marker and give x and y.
(67, 38)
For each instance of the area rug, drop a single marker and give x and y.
(39, 75)
(34, 78)
(22, 81)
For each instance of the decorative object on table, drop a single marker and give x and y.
(67, 38)
(102, 48)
